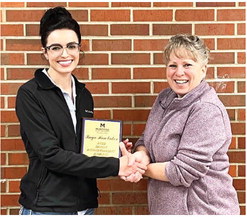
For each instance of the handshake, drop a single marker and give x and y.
(132, 166)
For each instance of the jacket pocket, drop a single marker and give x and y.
(41, 179)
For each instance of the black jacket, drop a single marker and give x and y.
(59, 178)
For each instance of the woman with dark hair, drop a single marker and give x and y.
(60, 180)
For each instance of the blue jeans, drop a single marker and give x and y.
(24, 211)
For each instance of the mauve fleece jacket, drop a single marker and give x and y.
(192, 134)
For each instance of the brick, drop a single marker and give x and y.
(13, 172)
(12, 144)
(20, 73)
(210, 43)
(13, 130)
(158, 58)
(173, 4)
(141, 210)
(194, 15)
(215, 4)
(32, 29)
(233, 144)
(94, 59)
(232, 170)
(2, 102)
(3, 158)
(111, 73)
(231, 114)
(18, 159)
(12, 4)
(104, 184)
(114, 210)
(149, 73)
(241, 114)
(238, 128)
(10, 200)
(231, 15)
(239, 184)
(131, 4)
(241, 170)
(130, 58)
(138, 129)
(24, 15)
(131, 115)
(171, 29)
(36, 59)
(241, 142)
(130, 29)
(237, 156)
(149, 45)
(159, 86)
(127, 130)
(3, 211)
(94, 30)
(233, 100)
(23, 45)
(242, 4)
(210, 73)
(11, 102)
(110, 15)
(223, 86)
(129, 198)
(241, 58)
(46, 4)
(221, 58)
(241, 29)
(95, 88)
(144, 101)
(152, 15)
(111, 45)
(10, 88)
(102, 114)
(84, 46)
(12, 30)
(14, 211)
(8, 116)
(88, 4)
(214, 29)
(241, 197)
(3, 130)
(81, 73)
(79, 15)
(3, 187)
(231, 72)
(104, 198)
(130, 87)
(12, 58)
(231, 43)
(14, 186)
(112, 101)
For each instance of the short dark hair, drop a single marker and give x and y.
(57, 18)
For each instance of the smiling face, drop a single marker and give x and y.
(183, 72)
(66, 61)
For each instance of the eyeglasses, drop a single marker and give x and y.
(57, 49)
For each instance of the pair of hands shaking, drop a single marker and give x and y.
(132, 166)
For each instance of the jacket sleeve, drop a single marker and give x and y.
(204, 134)
(41, 138)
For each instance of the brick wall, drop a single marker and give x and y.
(123, 69)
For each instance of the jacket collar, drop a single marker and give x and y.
(188, 99)
(45, 83)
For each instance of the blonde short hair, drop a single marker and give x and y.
(191, 44)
